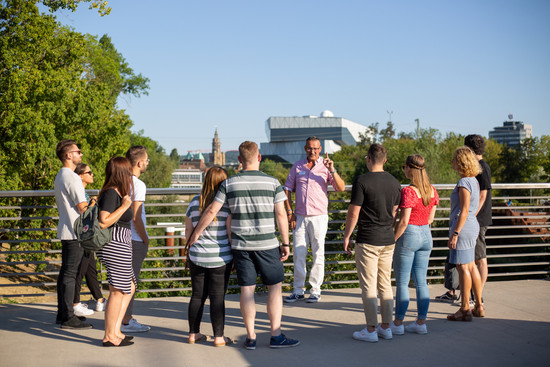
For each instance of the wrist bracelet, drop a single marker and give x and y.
(456, 233)
(285, 244)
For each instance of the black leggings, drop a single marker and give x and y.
(208, 283)
(88, 268)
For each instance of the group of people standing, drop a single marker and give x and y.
(120, 203)
(232, 223)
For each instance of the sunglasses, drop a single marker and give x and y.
(88, 173)
(76, 151)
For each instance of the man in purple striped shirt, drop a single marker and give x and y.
(309, 179)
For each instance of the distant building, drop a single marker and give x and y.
(287, 135)
(218, 157)
(193, 160)
(187, 179)
(511, 133)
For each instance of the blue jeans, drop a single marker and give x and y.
(412, 253)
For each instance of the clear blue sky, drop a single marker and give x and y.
(459, 66)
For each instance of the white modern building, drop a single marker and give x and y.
(511, 133)
(187, 179)
(287, 135)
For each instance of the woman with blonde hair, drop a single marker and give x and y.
(210, 260)
(463, 232)
(413, 244)
(115, 211)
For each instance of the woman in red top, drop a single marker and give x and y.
(413, 244)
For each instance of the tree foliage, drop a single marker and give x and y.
(57, 84)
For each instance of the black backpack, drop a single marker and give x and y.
(90, 235)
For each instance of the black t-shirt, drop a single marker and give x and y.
(110, 201)
(484, 217)
(377, 193)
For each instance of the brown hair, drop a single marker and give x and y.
(466, 162)
(64, 147)
(377, 153)
(212, 181)
(118, 175)
(419, 177)
(248, 151)
(135, 154)
(80, 168)
(476, 143)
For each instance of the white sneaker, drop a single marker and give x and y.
(134, 327)
(81, 309)
(384, 333)
(397, 330)
(365, 336)
(100, 306)
(413, 327)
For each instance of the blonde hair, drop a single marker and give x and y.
(419, 177)
(466, 162)
(214, 178)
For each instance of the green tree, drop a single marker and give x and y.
(275, 169)
(174, 156)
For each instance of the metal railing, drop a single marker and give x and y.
(30, 257)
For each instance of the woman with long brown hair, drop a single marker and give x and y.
(413, 244)
(210, 260)
(115, 211)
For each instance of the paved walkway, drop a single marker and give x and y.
(516, 332)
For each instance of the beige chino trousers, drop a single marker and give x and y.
(374, 270)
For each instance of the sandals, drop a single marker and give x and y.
(228, 341)
(460, 316)
(478, 312)
(202, 339)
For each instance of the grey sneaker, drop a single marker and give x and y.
(314, 298)
(413, 327)
(397, 330)
(293, 298)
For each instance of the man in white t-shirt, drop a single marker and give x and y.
(71, 201)
(137, 155)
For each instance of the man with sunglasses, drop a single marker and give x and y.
(309, 179)
(71, 202)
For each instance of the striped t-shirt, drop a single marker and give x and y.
(251, 197)
(212, 249)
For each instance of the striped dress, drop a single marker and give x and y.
(251, 197)
(116, 256)
(212, 249)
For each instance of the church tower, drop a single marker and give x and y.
(218, 158)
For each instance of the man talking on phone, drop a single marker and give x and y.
(309, 179)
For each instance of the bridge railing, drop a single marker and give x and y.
(30, 257)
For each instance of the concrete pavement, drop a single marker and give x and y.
(516, 332)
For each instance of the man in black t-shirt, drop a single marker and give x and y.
(484, 213)
(375, 197)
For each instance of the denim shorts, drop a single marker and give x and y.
(266, 263)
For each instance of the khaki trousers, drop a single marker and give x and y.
(374, 270)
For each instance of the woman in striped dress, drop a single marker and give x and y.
(210, 260)
(115, 211)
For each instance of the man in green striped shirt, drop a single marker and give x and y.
(256, 202)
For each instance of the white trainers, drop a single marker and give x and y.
(397, 330)
(413, 327)
(384, 333)
(365, 336)
(134, 327)
(81, 309)
(100, 306)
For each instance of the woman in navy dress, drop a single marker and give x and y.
(463, 232)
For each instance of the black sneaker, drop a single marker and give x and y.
(282, 341)
(447, 297)
(249, 344)
(75, 323)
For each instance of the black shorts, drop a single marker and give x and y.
(266, 263)
(481, 246)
